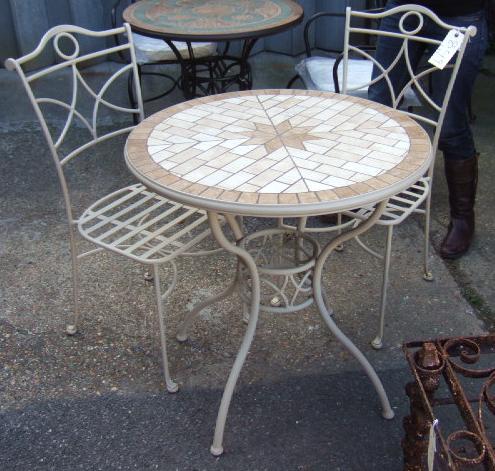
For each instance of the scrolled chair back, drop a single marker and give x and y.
(74, 60)
(411, 22)
(61, 38)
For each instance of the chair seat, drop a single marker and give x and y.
(142, 225)
(317, 74)
(399, 206)
(149, 50)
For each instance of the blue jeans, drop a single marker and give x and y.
(456, 138)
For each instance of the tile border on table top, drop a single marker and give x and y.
(139, 157)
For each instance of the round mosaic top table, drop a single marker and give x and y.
(212, 20)
(278, 152)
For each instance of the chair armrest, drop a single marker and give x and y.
(325, 14)
(311, 20)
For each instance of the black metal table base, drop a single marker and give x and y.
(214, 74)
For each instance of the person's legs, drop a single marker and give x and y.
(387, 49)
(456, 139)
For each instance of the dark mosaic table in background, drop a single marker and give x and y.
(218, 21)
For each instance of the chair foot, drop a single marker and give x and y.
(428, 276)
(181, 337)
(377, 343)
(172, 387)
(339, 248)
(71, 329)
(216, 451)
(147, 276)
(388, 414)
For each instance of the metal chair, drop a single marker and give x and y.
(132, 221)
(153, 51)
(417, 199)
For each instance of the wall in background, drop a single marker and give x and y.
(23, 23)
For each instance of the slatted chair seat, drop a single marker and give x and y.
(150, 50)
(142, 225)
(400, 206)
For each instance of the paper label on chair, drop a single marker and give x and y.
(449, 46)
(432, 445)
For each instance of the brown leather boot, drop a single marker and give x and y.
(462, 179)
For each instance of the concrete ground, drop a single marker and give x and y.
(97, 400)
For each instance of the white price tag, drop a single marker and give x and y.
(432, 445)
(449, 46)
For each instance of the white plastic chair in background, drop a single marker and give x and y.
(132, 221)
(154, 51)
(325, 73)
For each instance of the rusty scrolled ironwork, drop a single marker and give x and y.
(476, 442)
(446, 372)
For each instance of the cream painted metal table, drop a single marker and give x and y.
(278, 153)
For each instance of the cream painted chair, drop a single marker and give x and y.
(417, 199)
(132, 221)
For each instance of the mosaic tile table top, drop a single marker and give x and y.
(278, 147)
(212, 19)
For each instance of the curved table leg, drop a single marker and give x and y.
(217, 446)
(182, 334)
(387, 411)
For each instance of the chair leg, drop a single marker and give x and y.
(71, 328)
(377, 342)
(172, 387)
(130, 91)
(427, 274)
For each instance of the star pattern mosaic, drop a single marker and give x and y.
(278, 147)
(278, 144)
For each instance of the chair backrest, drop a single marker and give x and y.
(406, 15)
(74, 61)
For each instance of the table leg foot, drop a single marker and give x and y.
(71, 329)
(216, 451)
(172, 387)
(388, 414)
